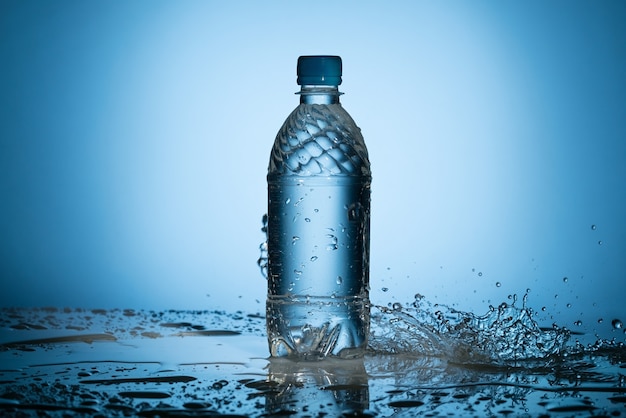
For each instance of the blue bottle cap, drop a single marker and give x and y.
(319, 70)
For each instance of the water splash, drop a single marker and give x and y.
(505, 334)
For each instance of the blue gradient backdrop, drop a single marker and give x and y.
(135, 136)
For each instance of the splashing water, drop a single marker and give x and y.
(505, 334)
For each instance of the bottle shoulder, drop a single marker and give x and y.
(319, 139)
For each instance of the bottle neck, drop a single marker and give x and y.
(319, 95)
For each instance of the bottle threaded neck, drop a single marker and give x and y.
(319, 94)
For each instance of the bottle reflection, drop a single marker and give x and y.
(330, 387)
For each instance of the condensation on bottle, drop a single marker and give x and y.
(318, 224)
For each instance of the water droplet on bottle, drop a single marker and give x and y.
(617, 324)
(565, 279)
(316, 210)
(600, 242)
(397, 306)
(307, 219)
(498, 284)
(600, 320)
(288, 201)
(593, 227)
(543, 308)
(333, 243)
(578, 323)
(384, 289)
(339, 280)
(480, 274)
(569, 305)
(314, 258)
(297, 272)
(294, 239)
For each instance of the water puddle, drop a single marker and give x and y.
(424, 360)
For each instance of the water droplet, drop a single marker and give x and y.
(294, 239)
(498, 284)
(307, 219)
(578, 323)
(569, 305)
(384, 289)
(333, 243)
(219, 384)
(473, 270)
(297, 272)
(617, 324)
(565, 279)
(543, 308)
(600, 320)
(314, 258)
(593, 227)
(316, 210)
(600, 242)
(480, 274)
(397, 306)
(339, 280)
(288, 201)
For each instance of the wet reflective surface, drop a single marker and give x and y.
(172, 363)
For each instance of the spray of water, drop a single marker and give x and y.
(505, 334)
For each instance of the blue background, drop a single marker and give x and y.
(135, 137)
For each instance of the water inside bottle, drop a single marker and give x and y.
(318, 276)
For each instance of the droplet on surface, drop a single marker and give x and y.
(498, 284)
(593, 227)
(384, 289)
(617, 324)
(339, 280)
(565, 279)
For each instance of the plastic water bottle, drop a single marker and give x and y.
(318, 224)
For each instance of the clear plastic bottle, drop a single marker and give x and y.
(318, 224)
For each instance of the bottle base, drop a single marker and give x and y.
(314, 328)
